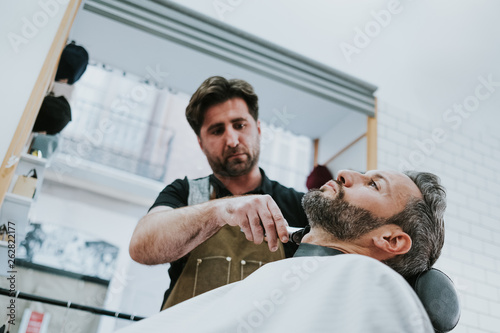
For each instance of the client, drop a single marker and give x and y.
(336, 281)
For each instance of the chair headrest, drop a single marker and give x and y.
(439, 297)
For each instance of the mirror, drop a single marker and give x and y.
(165, 51)
(167, 45)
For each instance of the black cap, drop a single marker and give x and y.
(54, 115)
(73, 63)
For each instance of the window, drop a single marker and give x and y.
(117, 122)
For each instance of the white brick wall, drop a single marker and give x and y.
(468, 163)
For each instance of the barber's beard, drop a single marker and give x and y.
(338, 217)
(234, 167)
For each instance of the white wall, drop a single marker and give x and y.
(354, 158)
(467, 163)
(113, 221)
(28, 29)
(344, 133)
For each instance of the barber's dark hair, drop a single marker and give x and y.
(216, 90)
(423, 221)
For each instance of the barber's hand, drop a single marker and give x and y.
(256, 215)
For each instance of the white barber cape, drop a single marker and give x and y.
(343, 293)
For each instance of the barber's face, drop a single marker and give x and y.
(230, 138)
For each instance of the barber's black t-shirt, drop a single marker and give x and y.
(288, 200)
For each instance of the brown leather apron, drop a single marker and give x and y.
(224, 258)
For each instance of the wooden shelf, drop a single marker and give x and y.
(33, 159)
(16, 198)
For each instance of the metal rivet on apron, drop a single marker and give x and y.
(228, 258)
(243, 262)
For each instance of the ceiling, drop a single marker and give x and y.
(427, 57)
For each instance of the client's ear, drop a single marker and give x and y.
(392, 240)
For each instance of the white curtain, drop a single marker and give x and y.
(117, 121)
(132, 126)
(285, 156)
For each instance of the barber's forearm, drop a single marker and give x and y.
(165, 236)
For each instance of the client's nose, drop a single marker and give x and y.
(347, 177)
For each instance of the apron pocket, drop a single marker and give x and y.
(211, 273)
(249, 266)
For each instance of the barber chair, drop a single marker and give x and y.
(434, 289)
(439, 297)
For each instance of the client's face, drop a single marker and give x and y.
(326, 208)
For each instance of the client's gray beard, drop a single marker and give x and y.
(338, 217)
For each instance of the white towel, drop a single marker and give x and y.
(344, 293)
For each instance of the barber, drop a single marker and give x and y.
(218, 229)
